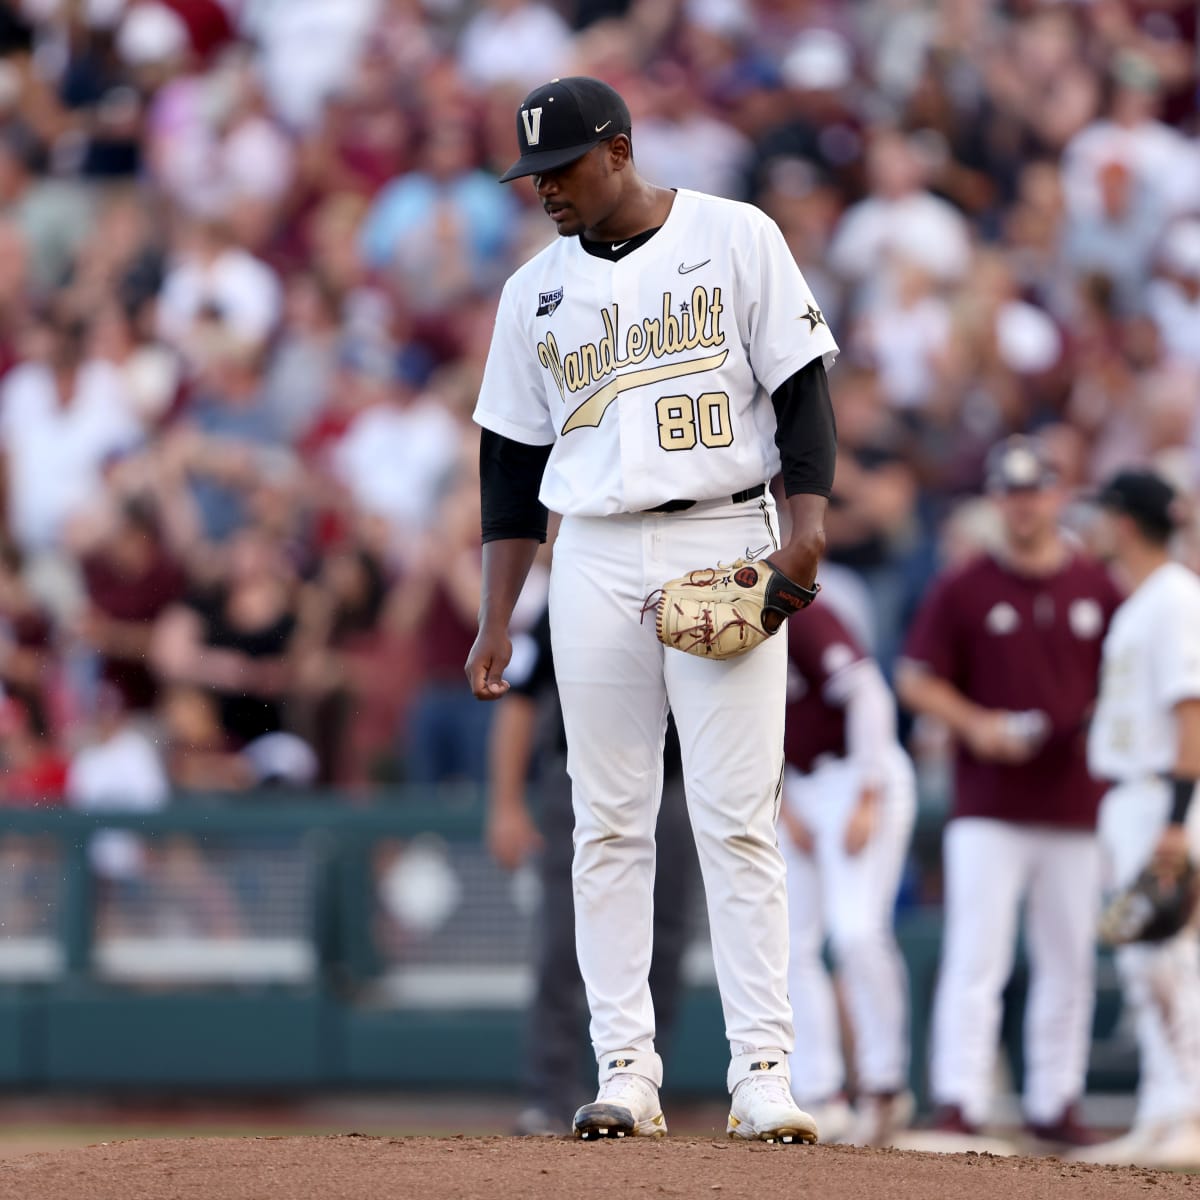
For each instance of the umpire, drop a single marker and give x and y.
(528, 741)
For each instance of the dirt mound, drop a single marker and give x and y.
(352, 1167)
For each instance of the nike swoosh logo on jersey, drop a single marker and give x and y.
(695, 267)
(601, 128)
(617, 245)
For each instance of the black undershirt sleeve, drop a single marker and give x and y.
(510, 477)
(805, 431)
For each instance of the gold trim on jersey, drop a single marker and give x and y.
(698, 324)
(592, 410)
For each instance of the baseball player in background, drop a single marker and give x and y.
(649, 372)
(1145, 738)
(849, 805)
(1006, 652)
(527, 740)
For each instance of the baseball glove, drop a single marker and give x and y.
(720, 612)
(1154, 907)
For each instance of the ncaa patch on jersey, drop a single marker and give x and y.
(548, 302)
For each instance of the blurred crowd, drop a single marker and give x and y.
(250, 251)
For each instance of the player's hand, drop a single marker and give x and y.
(864, 820)
(486, 662)
(798, 832)
(798, 561)
(511, 835)
(990, 737)
(1171, 852)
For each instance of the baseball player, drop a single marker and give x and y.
(1145, 738)
(526, 738)
(649, 372)
(849, 805)
(1006, 652)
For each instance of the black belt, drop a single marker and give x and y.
(737, 498)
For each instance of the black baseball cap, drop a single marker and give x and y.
(1145, 496)
(1019, 464)
(562, 120)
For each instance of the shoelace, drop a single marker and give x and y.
(626, 1090)
(768, 1087)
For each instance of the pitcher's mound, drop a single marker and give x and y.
(351, 1167)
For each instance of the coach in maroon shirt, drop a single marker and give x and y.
(1006, 652)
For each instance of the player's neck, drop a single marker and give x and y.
(646, 207)
(1044, 557)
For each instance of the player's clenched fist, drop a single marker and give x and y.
(486, 662)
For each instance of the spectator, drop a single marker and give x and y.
(1159, 158)
(63, 415)
(32, 772)
(899, 217)
(119, 770)
(212, 278)
(229, 439)
(397, 452)
(54, 216)
(300, 373)
(235, 638)
(130, 578)
(1117, 240)
(440, 232)
(514, 41)
(1173, 299)
(26, 640)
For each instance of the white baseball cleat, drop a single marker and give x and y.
(763, 1110)
(626, 1106)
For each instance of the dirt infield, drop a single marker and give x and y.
(352, 1167)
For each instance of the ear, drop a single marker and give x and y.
(620, 152)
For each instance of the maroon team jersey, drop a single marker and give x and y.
(1020, 642)
(819, 646)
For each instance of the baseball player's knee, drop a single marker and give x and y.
(606, 818)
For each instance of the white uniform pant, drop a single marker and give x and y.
(849, 899)
(1161, 981)
(616, 681)
(990, 866)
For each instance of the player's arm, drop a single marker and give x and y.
(510, 830)
(514, 524)
(870, 729)
(807, 439)
(1173, 845)
(985, 731)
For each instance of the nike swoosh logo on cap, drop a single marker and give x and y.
(601, 128)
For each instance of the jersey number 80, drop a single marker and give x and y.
(683, 421)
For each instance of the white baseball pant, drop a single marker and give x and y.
(851, 900)
(990, 866)
(616, 681)
(1161, 981)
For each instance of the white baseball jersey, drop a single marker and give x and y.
(652, 374)
(1151, 662)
